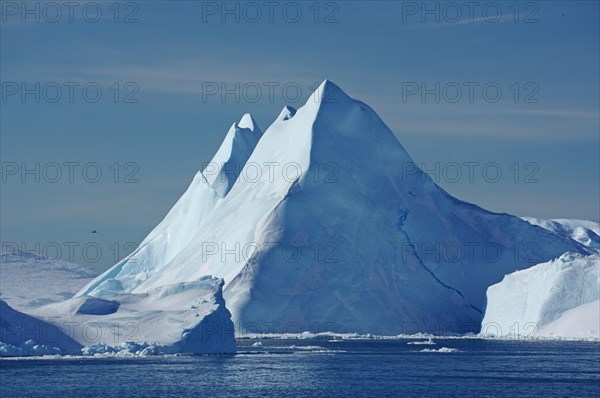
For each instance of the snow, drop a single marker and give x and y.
(286, 113)
(28, 280)
(180, 225)
(28, 348)
(127, 349)
(23, 335)
(585, 232)
(426, 342)
(186, 317)
(442, 350)
(558, 299)
(581, 322)
(42, 318)
(331, 183)
(224, 169)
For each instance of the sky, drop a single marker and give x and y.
(108, 109)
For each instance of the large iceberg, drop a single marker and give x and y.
(324, 223)
(556, 299)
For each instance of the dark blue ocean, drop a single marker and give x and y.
(324, 368)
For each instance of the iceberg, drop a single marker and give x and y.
(187, 317)
(585, 232)
(40, 317)
(556, 299)
(324, 223)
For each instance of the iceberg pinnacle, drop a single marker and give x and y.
(328, 93)
(247, 122)
(366, 224)
(225, 167)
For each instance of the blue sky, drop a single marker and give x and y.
(169, 54)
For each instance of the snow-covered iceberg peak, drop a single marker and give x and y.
(286, 113)
(248, 122)
(175, 231)
(328, 93)
(370, 228)
(224, 169)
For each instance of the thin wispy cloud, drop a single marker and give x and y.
(568, 113)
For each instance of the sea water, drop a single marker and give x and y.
(324, 367)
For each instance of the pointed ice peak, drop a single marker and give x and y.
(326, 83)
(286, 113)
(328, 93)
(247, 122)
(239, 143)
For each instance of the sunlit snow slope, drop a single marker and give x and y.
(558, 298)
(178, 318)
(585, 232)
(39, 317)
(326, 223)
